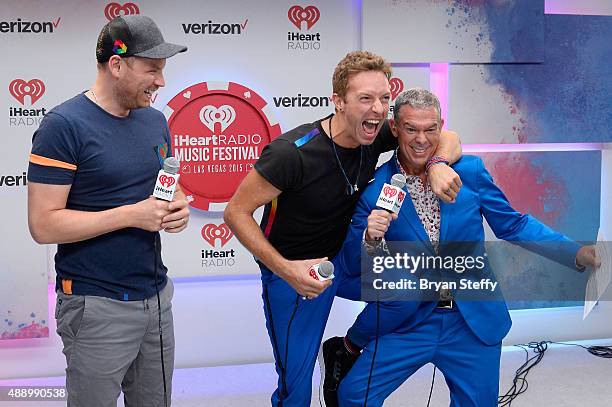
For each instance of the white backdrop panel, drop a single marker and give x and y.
(23, 272)
(481, 111)
(454, 30)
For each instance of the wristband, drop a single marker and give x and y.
(436, 159)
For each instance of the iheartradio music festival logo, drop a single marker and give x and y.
(211, 233)
(397, 86)
(310, 15)
(302, 17)
(218, 131)
(34, 88)
(113, 10)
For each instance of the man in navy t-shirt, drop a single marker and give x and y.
(92, 171)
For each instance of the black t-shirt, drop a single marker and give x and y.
(310, 217)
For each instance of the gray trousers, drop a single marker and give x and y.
(113, 345)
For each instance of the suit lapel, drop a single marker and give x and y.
(411, 218)
(446, 211)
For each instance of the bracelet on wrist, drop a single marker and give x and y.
(436, 159)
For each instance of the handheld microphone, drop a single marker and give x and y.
(167, 178)
(165, 186)
(322, 271)
(392, 195)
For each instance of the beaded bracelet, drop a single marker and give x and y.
(436, 159)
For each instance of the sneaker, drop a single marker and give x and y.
(335, 362)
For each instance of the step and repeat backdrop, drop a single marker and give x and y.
(256, 69)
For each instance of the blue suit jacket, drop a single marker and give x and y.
(461, 221)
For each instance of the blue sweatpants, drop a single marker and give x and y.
(295, 327)
(470, 368)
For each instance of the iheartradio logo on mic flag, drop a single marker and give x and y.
(167, 181)
(113, 10)
(211, 233)
(391, 198)
(397, 86)
(165, 185)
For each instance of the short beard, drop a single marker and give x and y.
(126, 100)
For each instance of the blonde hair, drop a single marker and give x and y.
(355, 62)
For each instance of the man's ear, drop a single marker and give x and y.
(114, 65)
(338, 101)
(441, 123)
(393, 127)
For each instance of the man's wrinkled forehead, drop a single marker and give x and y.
(371, 82)
(418, 116)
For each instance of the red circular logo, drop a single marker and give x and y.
(218, 130)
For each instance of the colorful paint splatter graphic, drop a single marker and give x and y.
(455, 30)
(553, 187)
(501, 23)
(561, 189)
(32, 328)
(566, 98)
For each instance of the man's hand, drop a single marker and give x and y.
(586, 257)
(178, 219)
(378, 223)
(297, 276)
(149, 213)
(444, 182)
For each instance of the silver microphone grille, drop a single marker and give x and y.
(398, 180)
(326, 268)
(171, 165)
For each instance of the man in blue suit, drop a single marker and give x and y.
(461, 338)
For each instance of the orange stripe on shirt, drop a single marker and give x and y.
(50, 162)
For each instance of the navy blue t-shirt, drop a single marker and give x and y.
(109, 161)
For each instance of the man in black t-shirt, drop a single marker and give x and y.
(309, 180)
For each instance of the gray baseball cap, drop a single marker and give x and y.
(134, 35)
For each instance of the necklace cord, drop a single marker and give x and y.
(351, 188)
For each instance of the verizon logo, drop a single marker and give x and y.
(213, 28)
(27, 27)
(14, 180)
(301, 101)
